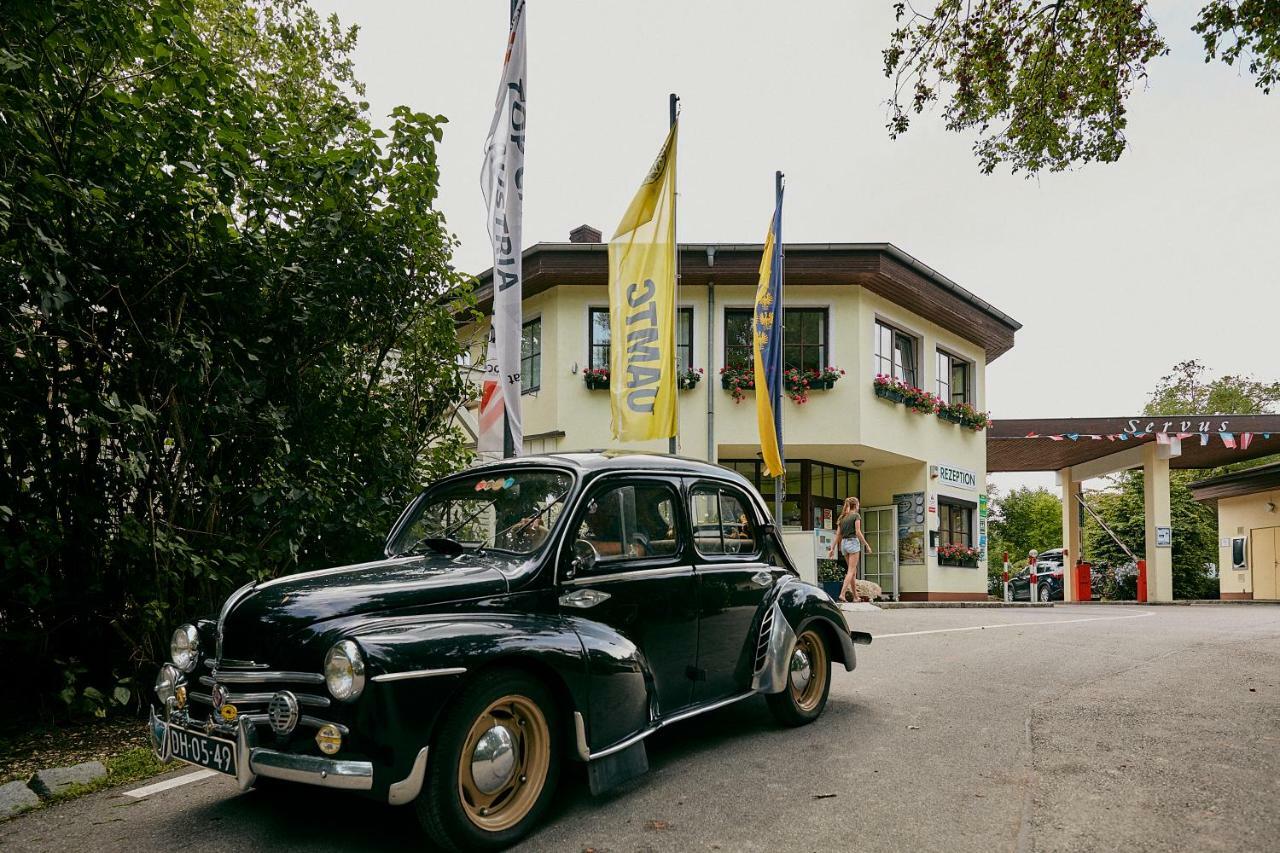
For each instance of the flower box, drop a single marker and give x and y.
(960, 562)
(687, 380)
(596, 378)
(893, 395)
(947, 415)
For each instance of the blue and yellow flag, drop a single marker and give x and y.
(767, 346)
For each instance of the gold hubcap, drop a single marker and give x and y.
(807, 692)
(497, 803)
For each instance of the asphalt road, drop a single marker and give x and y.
(1075, 728)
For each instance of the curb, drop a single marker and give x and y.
(1188, 602)
(939, 605)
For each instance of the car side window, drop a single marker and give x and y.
(722, 523)
(628, 522)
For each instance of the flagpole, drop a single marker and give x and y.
(675, 299)
(508, 442)
(779, 484)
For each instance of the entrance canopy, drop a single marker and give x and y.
(1080, 449)
(1084, 444)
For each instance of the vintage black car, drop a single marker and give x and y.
(541, 609)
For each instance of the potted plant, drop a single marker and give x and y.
(827, 377)
(738, 379)
(687, 380)
(831, 576)
(950, 554)
(596, 377)
(888, 388)
(897, 391)
(965, 415)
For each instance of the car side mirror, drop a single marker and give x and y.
(584, 558)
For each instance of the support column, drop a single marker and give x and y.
(1155, 492)
(1071, 538)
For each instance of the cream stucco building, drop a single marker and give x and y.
(1248, 529)
(866, 309)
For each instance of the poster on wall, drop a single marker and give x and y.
(911, 526)
(983, 511)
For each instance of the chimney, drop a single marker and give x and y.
(584, 234)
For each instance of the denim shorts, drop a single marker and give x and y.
(850, 546)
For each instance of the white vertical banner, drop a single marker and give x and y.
(502, 182)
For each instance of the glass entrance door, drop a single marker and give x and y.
(880, 526)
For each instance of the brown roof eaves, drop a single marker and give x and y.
(880, 267)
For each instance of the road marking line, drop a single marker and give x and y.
(1013, 625)
(185, 779)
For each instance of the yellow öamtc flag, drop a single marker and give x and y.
(642, 297)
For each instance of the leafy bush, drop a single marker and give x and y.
(227, 325)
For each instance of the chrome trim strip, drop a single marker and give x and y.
(337, 570)
(316, 723)
(251, 698)
(683, 715)
(232, 663)
(261, 675)
(311, 770)
(580, 736)
(746, 565)
(408, 788)
(416, 673)
(636, 574)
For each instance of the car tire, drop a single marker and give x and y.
(1045, 594)
(491, 803)
(808, 681)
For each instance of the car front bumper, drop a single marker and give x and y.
(253, 761)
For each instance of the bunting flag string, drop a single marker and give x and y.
(1230, 440)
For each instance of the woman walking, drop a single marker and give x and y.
(849, 544)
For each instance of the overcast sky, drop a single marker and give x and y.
(1116, 271)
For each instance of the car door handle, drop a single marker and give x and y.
(762, 578)
(583, 598)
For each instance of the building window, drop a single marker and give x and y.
(955, 523)
(814, 490)
(598, 326)
(804, 341)
(953, 378)
(896, 354)
(531, 356)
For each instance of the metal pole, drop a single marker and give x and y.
(675, 299)
(508, 445)
(780, 484)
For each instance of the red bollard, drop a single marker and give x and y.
(1084, 587)
(1142, 580)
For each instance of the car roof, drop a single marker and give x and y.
(622, 460)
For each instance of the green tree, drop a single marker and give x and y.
(1024, 519)
(227, 330)
(1045, 84)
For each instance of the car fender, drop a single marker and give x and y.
(415, 666)
(794, 606)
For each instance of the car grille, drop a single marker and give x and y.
(762, 644)
(250, 686)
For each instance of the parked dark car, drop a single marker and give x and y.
(1049, 579)
(541, 609)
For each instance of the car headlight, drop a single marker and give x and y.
(344, 671)
(167, 682)
(184, 648)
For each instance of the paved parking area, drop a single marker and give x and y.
(1074, 728)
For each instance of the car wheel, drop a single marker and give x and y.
(808, 682)
(494, 765)
(1044, 593)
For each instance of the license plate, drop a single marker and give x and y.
(214, 753)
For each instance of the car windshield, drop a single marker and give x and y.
(511, 510)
